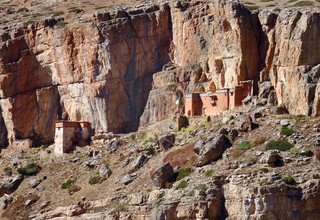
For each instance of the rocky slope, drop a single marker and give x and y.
(123, 68)
(118, 178)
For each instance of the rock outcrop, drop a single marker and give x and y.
(290, 59)
(122, 68)
(99, 71)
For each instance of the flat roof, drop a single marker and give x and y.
(72, 124)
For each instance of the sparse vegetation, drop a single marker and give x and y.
(188, 129)
(75, 10)
(67, 183)
(289, 180)
(258, 140)
(182, 184)
(57, 13)
(29, 170)
(208, 173)
(295, 152)
(94, 180)
(8, 171)
(183, 172)
(286, 131)
(251, 7)
(201, 186)
(244, 145)
(73, 188)
(61, 24)
(264, 169)
(146, 140)
(264, 182)
(303, 3)
(236, 153)
(150, 150)
(281, 145)
(190, 193)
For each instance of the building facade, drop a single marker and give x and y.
(213, 103)
(69, 134)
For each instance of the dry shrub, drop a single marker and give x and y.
(181, 157)
(258, 140)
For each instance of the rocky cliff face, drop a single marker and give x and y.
(291, 59)
(103, 70)
(99, 71)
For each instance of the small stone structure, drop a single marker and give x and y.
(68, 134)
(214, 102)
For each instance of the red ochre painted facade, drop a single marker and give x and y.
(213, 103)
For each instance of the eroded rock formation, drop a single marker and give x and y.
(111, 68)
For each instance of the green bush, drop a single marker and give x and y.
(182, 184)
(281, 145)
(289, 180)
(287, 131)
(208, 173)
(183, 172)
(188, 129)
(295, 152)
(150, 150)
(94, 180)
(244, 145)
(146, 140)
(29, 170)
(67, 183)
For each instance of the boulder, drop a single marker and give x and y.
(9, 184)
(104, 171)
(247, 100)
(243, 123)
(3, 203)
(129, 178)
(182, 122)
(281, 110)
(284, 122)
(166, 141)
(257, 114)
(265, 89)
(141, 160)
(272, 98)
(33, 183)
(113, 145)
(162, 175)
(212, 149)
(233, 134)
(272, 158)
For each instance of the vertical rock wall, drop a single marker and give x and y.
(98, 71)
